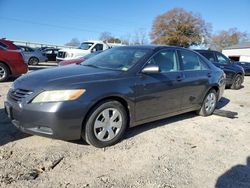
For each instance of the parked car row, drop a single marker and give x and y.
(32, 56)
(122, 87)
(105, 92)
(14, 59)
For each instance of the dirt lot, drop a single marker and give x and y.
(183, 151)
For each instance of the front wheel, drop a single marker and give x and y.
(106, 124)
(209, 103)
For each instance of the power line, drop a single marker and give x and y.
(50, 25)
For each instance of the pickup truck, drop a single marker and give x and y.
(85, 48)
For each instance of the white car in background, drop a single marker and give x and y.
(85, 48)
(32, 56)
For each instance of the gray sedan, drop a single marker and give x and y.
(32, 56)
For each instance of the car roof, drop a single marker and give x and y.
(205, 51)
(152, 47)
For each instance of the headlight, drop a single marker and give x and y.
(58, 95)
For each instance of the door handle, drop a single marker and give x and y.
(222, 67)
(209, 74)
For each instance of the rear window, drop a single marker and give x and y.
(209, 55)
(3, 45)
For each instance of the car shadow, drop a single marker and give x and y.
(8, 132)
(148, 126)
(224, 113)
(131, 132)
(222, 102)
(236, 177)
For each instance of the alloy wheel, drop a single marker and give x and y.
(238, 82)
(2, 72)
(210, 102)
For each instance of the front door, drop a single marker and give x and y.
(225, 64)
(159, 93)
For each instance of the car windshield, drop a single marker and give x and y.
(85, 45)
(117, 58)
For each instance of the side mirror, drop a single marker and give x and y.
(151, 69)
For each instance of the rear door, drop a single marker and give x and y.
(196, 78)
(159, 93)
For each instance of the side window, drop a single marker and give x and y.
(222, 59)
(98, 47)
(29, 49)
(55, 51)
(49, 52)
(209, 55)
(166, 60)
(204, 65)
(190, 61)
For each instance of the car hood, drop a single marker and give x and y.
(243, 64)
(237, 67)
(71, 76)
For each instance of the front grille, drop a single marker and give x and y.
(61, 54)
(19, 94)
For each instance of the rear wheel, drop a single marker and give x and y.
(238, 80)
(209, 103)
(106, 124)
(4, 72)
(33, 61)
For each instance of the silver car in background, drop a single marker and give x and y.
(32, 56)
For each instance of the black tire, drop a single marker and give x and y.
(33, 61)
(89, 132)
(204, 110)
(4, 72)
(238, 80)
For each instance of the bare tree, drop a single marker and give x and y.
(227, 38)
(73, 42)
(181, 28)
(105, 36)
(108, 37)
(140, 37)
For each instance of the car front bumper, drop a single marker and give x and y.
(60, 120)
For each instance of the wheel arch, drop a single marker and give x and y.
(120, 99)
(7, 66)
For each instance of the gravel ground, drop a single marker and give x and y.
(182, 151)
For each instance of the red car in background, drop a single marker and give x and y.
(8, 44)
(79, 60)
(11, 61)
